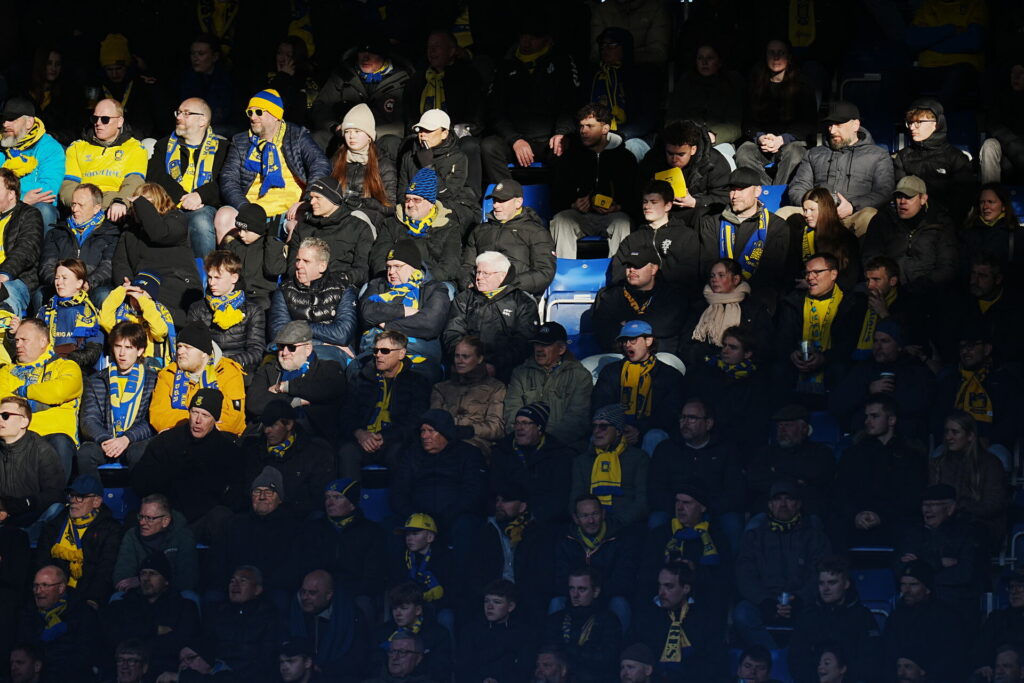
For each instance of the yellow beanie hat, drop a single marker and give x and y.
(114, 50)
(270, 101)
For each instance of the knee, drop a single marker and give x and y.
(748, 150)
(225, 218)
(493, 145)
(794, 151)
(991, 146)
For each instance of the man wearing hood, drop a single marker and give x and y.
(109, 158)
(595, 185)
(929, 156)
(496, 310)
(516, 231)
(850, 165)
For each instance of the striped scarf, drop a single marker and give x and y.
(53, 626)
(125, 395)
(433, 96)
(382, 414)
(608, 90)
(200, 170)
(741, 370)
(866, 340)
(264, 158)
(516, 528)
(780, 527)
(33, 373)
(588, 626)
(418, 566)
(227, 309)
(280, 451)
(819, 314)
(674, 549)
(183, 382)
(606, 474)
(83, 230)
(750, 258)
(637, 308)
(16, 160)
(71, 318)
(972, 397)
(69, 547)
(676, 642)
(407, 294)
(592, 543)
(807, 243)
(420, 228)
(636, 381)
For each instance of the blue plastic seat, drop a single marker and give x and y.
(874, 585)
(580, 275)
(536, 196)
(1017, 200)
(825, 428)
(121, 501)
(772, 196)
(375, 499)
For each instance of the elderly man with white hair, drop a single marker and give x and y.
(497, 311)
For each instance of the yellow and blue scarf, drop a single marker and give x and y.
(420, 228)
(217, 17)
(83, 230)
(69, 546)
(676, 642)
(750, 258)
(53, 626)
(71, 318)
(378, 75)
(264, 158)
(819, 314)
(182, 382)
(433, 96)
(419, 572)
(588, 627)
(407, 294)
(522, 454)
(683, 534)
(608, 90)
(636, 382)
(606, 474)
(972, 397)
(227, 309)
(866, 340)
(201, 171)
(33, 373)
(592, 543)
(382, 414)
(125, 395)
(280, 451)
(741, 370)
(529, 60)
(17, 161)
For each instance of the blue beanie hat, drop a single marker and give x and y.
(424, 184)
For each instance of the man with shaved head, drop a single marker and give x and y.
(187, 164)
(59, 622)
(328, 618)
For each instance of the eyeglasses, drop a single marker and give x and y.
(103, 119)
(918, 124)
(816, 273)
(402, 653)
(291, 348)
(484, 273)
(263, 493)
(254, 112)
(73, 496)
(381, 351)
(149, 519)
(7, 416)
(524, 423)
(182, 112)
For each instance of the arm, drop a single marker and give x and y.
(328, 384)
(24, 253)
(48, 264)
(542, 262)
(133, 180)
(92, 418)
(255, 330)
(161, 415)
(72, 174)
(576, 420)
(429, 323)
(158, 329)
(64, 385)
(163, 230)
(491, 424)
(232, 385)
(156, 171)
(231, 177)
(803, 180)
(339, 331)
(313, 159)
(103, 272)
(50, 171)
(882, 185)
(279, 315)
(275, 261)
(632, 507)
(140, 429)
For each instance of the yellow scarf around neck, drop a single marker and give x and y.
(636, 382)
(606, 474)
(819, 314)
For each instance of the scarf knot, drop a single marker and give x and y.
(199, 170)
(86, 228)
(674, 549)
(606, 474)
(418, 566)
(780, 527)
(420, 228)
(182, 382)
(740, 370)
(433, 96)
(677, 644)
(17, 161)
(407, 294)
(972, 397)
(378, 75)
(723, 311)
(227, 309)
(280, 451)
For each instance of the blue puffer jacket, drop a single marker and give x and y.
(49, 173)
(302, 155)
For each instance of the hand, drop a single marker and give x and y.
(631, 434)
(812, 364)
(293, 211)
(92, 603)
(984, 672)
(784, 611)
(877, 303)
(113, 448)
(555, 143)
(191, 201)
(369, 441)
(38, 196)
(348, 352)
(908, 557)
(163, 630)
(127, 584)
(844, 208)
(950, 562)
(286, 65)
(523, 151)
(4, 278)
(168, 677)
(12, 326)
(863, 520)
(582, 204)
(885, 385)
(687, 202)
(117, 211)
(275, 388)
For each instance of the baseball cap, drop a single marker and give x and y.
(641, 256)
(911, 186)
(635, 328)
(549, 333)
(86, 485)
(432, 119)
(841, 112)
(506, 190)
(420, 521)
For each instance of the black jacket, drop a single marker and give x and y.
(306, 468)
(15, 576)
(23, 243)
(440, 248)
(616, 557)
(70, 652)
(706, 174)
(594, 655)
(134, 616)
(915, 387)
(923, 246)
(437, 661)
(348, 237)
(771, 279)
(504, 323)
(196, 474)
(262, 262)
(344, 89)
(810, 463)
(678, 245)
(505, 652)
(157, 173)
(583, 172)
(445, 485)
(531, 564)
(535, 105)
(323, 385)
(769, 562)
(957, 538)
(742, 406)
(1000, 627)
(452, 167)
(650, 626)
(666, 394)
(844, 331)
(664, 307)
(31, 475)
(100, 544)
(545, 473)
(886, 479)
(427, 324)
(327, 304)
(262, 541)
(716, 465)
(410, 398)
(848, 622)
(1002, 386)
(524, 240)
(97, 252)
(463, 95)
(354, 554)
(357, 196)
(244, 342)
(247, 637)
(933, 628)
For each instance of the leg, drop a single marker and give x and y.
(730, 525)
(638, 148)
(990, 158)
(651, 440)
(18, 297)
(620, 608)
(90, 457)
(617, 231)
(350, 460)
(201, 232)
(557, 604)
(749, 155)
(494, 155)
(224, 222)
(50, 215)
(65, 448)
(789, 158)
(565, 230)
(133, 453)
(746, 619)
(99, 295)
(858, 221)
(656, 519)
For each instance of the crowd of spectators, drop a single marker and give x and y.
(279, 400)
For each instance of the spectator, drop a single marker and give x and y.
(644, 296)
(270, 164)
(187, 164)
(14, 575)
(648, 23)
(330, 219)
(500, 645)
(115, 175)
(496, 311)
(992, 302)
(949, 48)
(210, 79)
(197, 661)
(750, 235)
(200, 365)
(345, 543)
(59, 99)
(245, 627)
(627, 89)
(817, 228)
(929, 156)
(157, 242)
(426, 563)
(328, 618)
(322, 299)
(382, 409)
(236, 325)
(136, 302)
(304, 461)
(131, 660)
(836, 616)
(677, 244)
(260, 251)
(21, 243)
(405, 657)
(866, 181)
(123, 81)
(775, 565)
(879, 478)
(1000, 626)
(516, 231)
(594, 187)
(882, 287)
(195, 464)
(636, 664)
(162, 530)
(154, 612)
(434, 227)
(83, 541)
(919, 238)
(368, 74)
(26, 663)
(612, 470)
(408, 617)
(755, 665)
(531, 102)
(436, 146)
(975, 474)
(778, 119)
(34, 480)
(472, 397)
(450, 83)
(367, 178)
(710, 95)
(86, 235)
(689, 147)
(53, 385)
(552, 666)
(70, 317)
(648, 389)
(295, 657)
(406, 302)
(535, 463)
(1001, 152)
(552, 376)
(589, 633)
(34, 158)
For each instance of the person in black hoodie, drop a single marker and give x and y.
(262, 254)
(22, 241)
(156, 241)
(1004, 625)
(498, 646)
(710, 94)
(85, 235)
(928, 155)
(590, 633)
(434, 145)
(594, 190)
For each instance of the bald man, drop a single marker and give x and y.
(108, 157)
(187, 165)
(331, 622)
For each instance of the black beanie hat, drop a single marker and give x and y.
(406, 251)
(198, 335)
(158, 562)
(539, 412)
(442, 421)
(252, 217)
(329, 187)
(210, 400)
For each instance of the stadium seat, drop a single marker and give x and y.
(375, 499)
(596, 362)
(1017, 200)
(772, 196)
(580, 275)
(780, 665)
(537, 196)
(202, 272)
(571, 295)
(874, 585)
(824, 428)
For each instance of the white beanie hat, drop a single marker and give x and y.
(361, 118)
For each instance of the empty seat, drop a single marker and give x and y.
(874, 585)
(772, 196)
(375, 498)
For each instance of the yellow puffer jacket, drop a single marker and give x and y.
(230, 380)
(55, 392)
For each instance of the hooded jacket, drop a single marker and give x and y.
(566, 388)
(440, 248)
(348, 237)
(230, 381)
(99, 545)
(678, 246)
(262, 262)
(452, 167)
(861, 172)
(328, 304)
(344, 89)
(534, 105)
(582, 172)
(445, 485)
(523, 239)
(22, 245)
(924, 247)
(97, 251)
(298, 151)
(706, 174)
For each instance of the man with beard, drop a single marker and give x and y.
(109, 158)
(33, 156)
(1000, 626)
(586, 629)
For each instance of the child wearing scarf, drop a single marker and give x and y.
(136, 301)
(237, 326)
(72, 319)
(425, 562)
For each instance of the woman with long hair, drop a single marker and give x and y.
(369, 180)
(977, 475)
(71, 317)
(474, 398)
(994, 227)
(59, 101)
(816, 229)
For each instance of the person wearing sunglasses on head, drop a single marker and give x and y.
(108, 156)
(33, 478)
(386, 400)
(312, 385)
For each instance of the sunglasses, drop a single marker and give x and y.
(102, 119)
(382, 351)
(7, 416)
(254, 112)
(290, 348)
